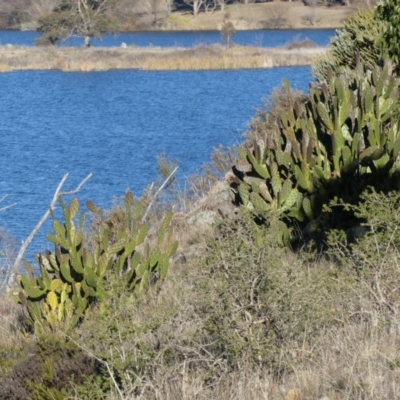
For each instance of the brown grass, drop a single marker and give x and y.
(19, 58)
(356, 360)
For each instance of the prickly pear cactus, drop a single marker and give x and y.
(73, 276)
(343, 139)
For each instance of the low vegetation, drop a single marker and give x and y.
(201, 57)
(288, 290)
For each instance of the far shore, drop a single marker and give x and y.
(212, 57)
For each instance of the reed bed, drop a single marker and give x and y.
(18, 58)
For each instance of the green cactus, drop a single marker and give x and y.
(343, 139)
(74, 276)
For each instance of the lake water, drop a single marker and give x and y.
(114, 124)
(265, 38)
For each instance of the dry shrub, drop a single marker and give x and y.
(264, 124)
(301, 44)
(356, 361)
(48, 368)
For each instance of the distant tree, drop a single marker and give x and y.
(169, 5)
(85, 18)
(39, 8)
(206, 5)
(222, 4)
(312, 16)
(228, 30)
(154, 8)
(196, 5)
(13, 13)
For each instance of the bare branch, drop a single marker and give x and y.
(78, 188)
(158, 192)
(28, 241)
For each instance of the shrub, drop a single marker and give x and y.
(49, 368)
(281, 100)
(260, 308)
(371, 248)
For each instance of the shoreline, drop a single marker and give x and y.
(201, 57)
(282, 28)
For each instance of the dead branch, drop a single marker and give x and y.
(6, 207)
(158, 192)
(27, 242)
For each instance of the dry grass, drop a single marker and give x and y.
(10, 313)
(197, 58)
(236, 57)
(356, 360)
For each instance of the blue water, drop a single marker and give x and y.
(265, 38)
(114, 124)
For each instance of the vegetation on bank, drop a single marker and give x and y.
(287, 291)
(200, 57)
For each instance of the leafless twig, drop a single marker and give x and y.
(6, 207)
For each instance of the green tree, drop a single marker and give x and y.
(85, 18)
